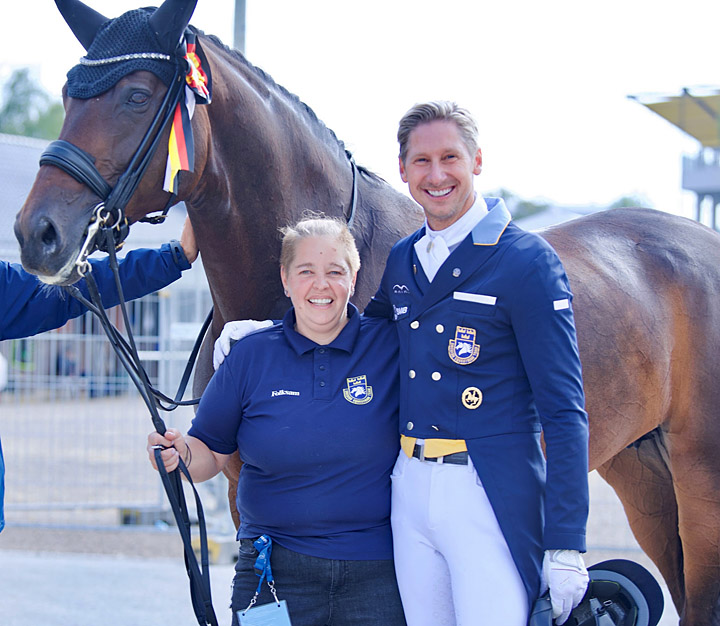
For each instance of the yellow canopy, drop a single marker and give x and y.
(697, 114)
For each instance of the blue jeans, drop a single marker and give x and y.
(321, 592)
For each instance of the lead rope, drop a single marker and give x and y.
(126, 351)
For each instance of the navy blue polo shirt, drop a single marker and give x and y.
(317, 428)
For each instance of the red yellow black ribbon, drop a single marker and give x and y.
(181, 149)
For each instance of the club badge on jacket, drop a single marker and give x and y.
(462, 349)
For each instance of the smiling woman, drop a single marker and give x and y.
(319, 267)
(324, 384)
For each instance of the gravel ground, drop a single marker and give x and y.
(139, 571)
(143, 543)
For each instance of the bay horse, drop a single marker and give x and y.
(646, 283)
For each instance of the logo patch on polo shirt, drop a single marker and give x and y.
(463, 349)
(283, 392)
(358, 391)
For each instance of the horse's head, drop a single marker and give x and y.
(120, 102)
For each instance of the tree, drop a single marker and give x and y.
(630, 201)
(518, 206)
(28, 109)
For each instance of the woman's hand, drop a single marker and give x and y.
(175, 447)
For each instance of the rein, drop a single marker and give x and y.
(350, 219)
(102, 235)
(126, 351)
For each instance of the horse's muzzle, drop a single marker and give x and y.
(43, 253)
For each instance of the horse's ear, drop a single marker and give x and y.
(170, 21)
(83, 21)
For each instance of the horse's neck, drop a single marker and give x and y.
(269, 146)
(268, 160)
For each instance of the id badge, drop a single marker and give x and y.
(272, 614)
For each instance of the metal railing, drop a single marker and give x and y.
(74, 428)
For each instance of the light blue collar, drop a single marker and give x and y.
(488, 230)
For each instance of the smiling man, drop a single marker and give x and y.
(488, 360)
(439, 168)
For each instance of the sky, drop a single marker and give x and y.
(547, 81)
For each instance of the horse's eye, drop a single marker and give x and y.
(138, 97)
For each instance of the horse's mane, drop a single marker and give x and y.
(326, 132)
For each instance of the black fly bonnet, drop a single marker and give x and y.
(122, 46)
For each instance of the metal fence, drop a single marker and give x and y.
(74, 428)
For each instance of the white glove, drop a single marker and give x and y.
(231, 333)
(565, 575)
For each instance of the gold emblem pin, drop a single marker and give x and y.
(472, 398)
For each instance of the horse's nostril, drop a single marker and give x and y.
(48, 234)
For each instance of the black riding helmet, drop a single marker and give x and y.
(620, 593)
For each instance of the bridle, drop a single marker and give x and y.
(109, 213)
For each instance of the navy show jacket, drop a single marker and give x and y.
(488, 353)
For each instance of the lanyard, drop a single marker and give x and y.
(263, 545)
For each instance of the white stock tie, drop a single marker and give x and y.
(432, 252)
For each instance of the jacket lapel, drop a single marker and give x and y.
(467, 258)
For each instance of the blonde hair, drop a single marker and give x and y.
(315, 224)
(438, 110)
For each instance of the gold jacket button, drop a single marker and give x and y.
(440, 328)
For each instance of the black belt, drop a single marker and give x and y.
(456, 458)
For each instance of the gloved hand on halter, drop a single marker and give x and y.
(233, 331)
(564, 573)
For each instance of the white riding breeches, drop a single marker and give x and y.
(452, 561)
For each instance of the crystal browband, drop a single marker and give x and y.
(126, 57)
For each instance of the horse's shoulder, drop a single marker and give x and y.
(525, 246)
